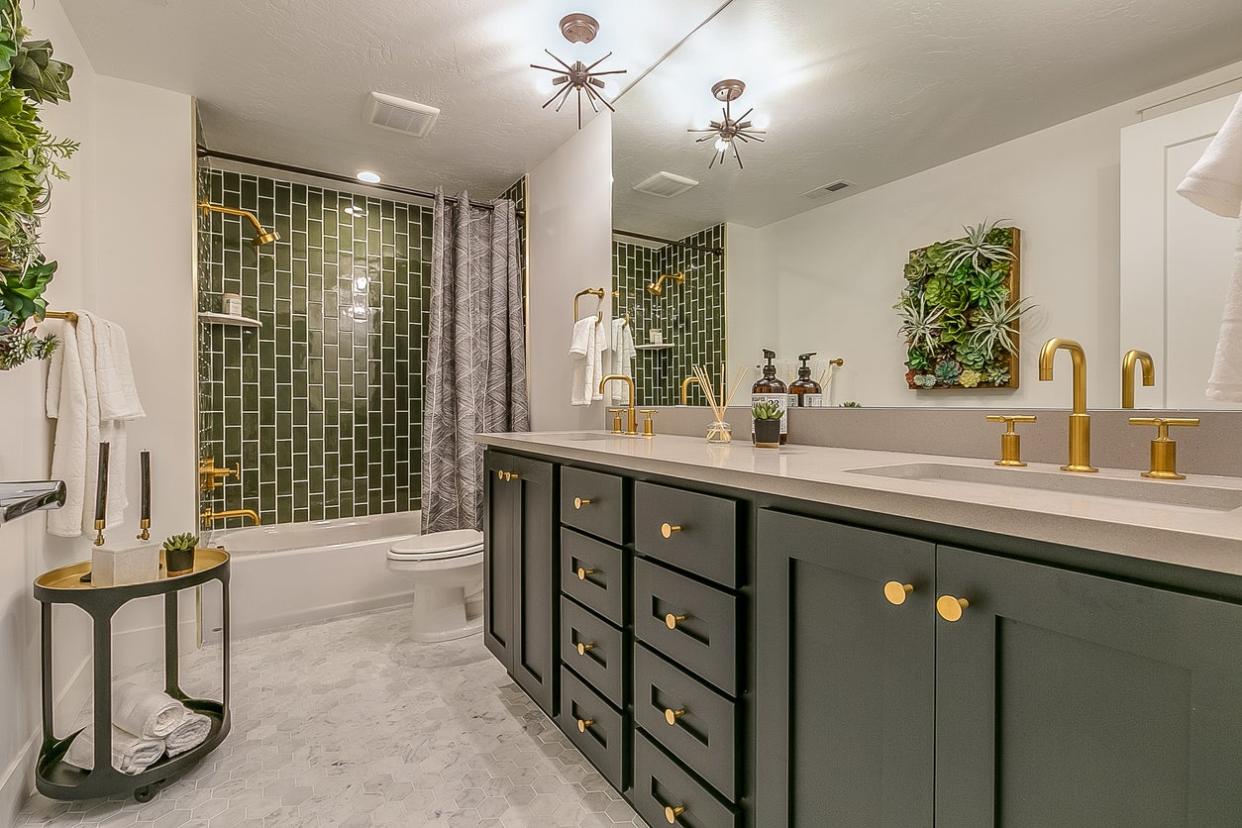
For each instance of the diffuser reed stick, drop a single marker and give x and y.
(719, 431)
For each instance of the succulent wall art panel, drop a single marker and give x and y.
(960, 311)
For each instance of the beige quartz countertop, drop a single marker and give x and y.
(1183, 535)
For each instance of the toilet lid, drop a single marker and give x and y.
(438, 545)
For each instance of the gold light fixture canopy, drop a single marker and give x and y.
(578, 76)
(262, 235)
(728, 131)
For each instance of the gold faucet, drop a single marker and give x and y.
(685, 388)
(210, 516)
(210, 475)
(1128, 362)
(1080, 420)
(628, 380)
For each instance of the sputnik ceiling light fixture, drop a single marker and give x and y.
(729, 130)
(578, 28)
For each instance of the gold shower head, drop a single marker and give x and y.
(262, 235)
(656, 288)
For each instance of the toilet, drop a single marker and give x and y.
(446, 569)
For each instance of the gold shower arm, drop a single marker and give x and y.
(262, 236)
(656, 288)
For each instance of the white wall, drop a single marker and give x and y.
(836, 271)
(122, 231)
(570, 248)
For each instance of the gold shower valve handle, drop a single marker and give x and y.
(669, 529)
(895, 592)
(1164, 450)
(1011, 441)
(950, 607)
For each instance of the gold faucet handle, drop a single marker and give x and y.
(1011, 441)
(1164, 450)
(616, 420)
(648, 421)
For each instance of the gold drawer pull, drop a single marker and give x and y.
(950, 607)
(671, 812)
(671, 716)
(583, 724)
(583, 572)
(585, 647)
(667, 530)
(579, 502)
(896, 592)
(671, 621)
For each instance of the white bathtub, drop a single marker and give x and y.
(301, 572)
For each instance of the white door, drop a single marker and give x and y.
(1176, 258)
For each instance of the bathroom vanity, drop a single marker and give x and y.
(818, 636)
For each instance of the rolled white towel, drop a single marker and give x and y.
(130, 754)
(145, 712)
(189, 734)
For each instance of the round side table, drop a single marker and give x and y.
(54, 776)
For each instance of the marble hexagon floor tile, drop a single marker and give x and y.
(349, 723)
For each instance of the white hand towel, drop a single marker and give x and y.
(144, 711)
(66, 403)
(189, 734)
(581, 353)
(130, 754)
(622, 354)
(1215, 184)
(118, 396)
(599, 357)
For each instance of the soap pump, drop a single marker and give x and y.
(805, 390)
(769, 387)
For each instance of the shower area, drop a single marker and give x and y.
(312, 342)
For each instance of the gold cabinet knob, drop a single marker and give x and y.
(1011, 441)
(671, 812)
(671, 716)
(671, 621)
(500, 475)
(950, 607)
(511, 476)
(585, 647)
(583, 724)
(582, 573)
(896, 592)
(668, 529)
(579, 502)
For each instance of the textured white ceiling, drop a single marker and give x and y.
(875, 91)
(287, 80)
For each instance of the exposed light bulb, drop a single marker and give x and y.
(722, 145)
(361, 283)
(369, 176)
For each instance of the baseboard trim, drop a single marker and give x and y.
(312, 615)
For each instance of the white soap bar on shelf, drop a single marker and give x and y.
(118, 564)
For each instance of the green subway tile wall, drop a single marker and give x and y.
(691, 315)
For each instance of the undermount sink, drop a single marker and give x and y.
(587, 436)
(1136, 490)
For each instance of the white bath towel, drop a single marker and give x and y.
(587, 352)
(1215, 184)
(145, 711)
(118, 396)
(621, 360)
(130, 754)
(189, 734)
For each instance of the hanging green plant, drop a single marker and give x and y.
(30, 158)
(959, 315)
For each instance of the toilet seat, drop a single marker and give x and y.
(438, 546)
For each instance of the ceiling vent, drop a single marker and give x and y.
(665, 185)
(834, 188)
(400, 115)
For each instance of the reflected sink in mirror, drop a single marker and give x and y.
(1136, 490)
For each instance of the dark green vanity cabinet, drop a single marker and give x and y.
(519, 563)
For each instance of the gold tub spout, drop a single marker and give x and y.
(210, 516)
(1133, 358)
(1080, 420)
(628, 380)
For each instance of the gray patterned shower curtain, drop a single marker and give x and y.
(476, 355)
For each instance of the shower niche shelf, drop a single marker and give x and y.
(227, 319)
(663, 346)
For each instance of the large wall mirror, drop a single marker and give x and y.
(927, 200)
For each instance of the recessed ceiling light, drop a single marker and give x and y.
(368, 177)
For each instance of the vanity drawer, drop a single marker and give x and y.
(601, 661)
(660, 788)
(694, 624)
(696, 724)
(688, 530)
(593, 726)
(593, 573)
(593, 501)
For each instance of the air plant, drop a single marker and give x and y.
(976, 248)
(920, 324)
(996, 326)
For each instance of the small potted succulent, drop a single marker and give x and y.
(767, 414)
(179, 553)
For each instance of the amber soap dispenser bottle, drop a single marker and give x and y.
(804, 389)
(769, 387)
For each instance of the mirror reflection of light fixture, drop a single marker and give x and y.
(729, 131)
(578, 28)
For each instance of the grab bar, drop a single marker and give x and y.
(24, 497)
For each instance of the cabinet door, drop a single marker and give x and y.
(844, 677)
(535, 573)
(1070, 699)
(500, 540)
